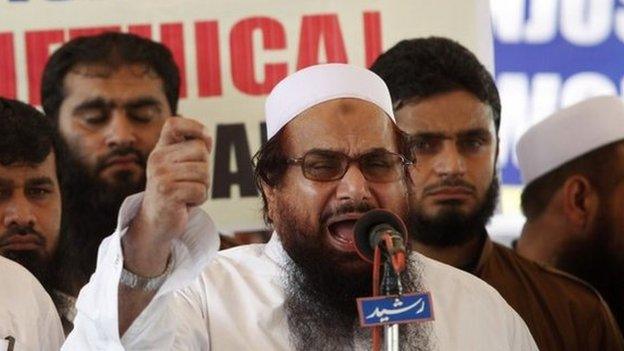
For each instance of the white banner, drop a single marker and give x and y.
(231, 53)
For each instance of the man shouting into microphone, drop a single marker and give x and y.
(334, 152)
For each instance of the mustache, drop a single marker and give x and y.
(21, 230)
(105, 160)
(450, 182)
(350, 207)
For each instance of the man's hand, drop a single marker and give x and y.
(178, 179)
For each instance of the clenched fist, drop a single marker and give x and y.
(178, 179)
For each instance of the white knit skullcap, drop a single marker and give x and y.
(316, 84)
(568, 134)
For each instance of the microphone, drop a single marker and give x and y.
(384, 229)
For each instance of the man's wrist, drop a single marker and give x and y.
(148, 284)
(142, 254)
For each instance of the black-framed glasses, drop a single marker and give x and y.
(380, 166)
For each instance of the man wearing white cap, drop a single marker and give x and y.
(330, 127)
(448, 103)
(573, 165)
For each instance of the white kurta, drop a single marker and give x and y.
(27, 313)
(234, 301)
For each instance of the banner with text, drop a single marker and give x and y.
(231, 53)
(549, 54)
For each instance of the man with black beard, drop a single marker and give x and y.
(448, 103)
(574, 195)
(333, 152)
(108, 96)
(30, 196)
(30, 217)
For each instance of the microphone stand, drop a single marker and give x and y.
(391, 286)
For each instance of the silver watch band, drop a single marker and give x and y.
(135, 281)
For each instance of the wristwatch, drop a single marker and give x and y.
(135, 281)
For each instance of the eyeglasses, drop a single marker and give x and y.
(377, 166)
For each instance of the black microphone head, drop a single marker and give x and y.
(366, 223)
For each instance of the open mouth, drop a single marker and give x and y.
(341, 232)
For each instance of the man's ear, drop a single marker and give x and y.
(580, 201)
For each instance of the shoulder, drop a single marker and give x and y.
(17, 281)
(240, 253)
(550, 278)
(438, 273)
(17, 278)
(243, 273)
(24, 304)
(242, 260)
(470, 304)
(453, 286)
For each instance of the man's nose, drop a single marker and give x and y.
(19, 211)
(120, 131)
(353, 186)
(450, 162)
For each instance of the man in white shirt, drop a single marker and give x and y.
(107, 96)
(28, 319)
(334, 152)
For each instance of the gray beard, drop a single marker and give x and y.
(317, 322)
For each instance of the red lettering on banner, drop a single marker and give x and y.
(8, 83)
(37, 53)
(208, 60)
(372, 37)
(320, 39)
(313, 28)
(242, 55)
(85, 32)
(142, 30)
(172, 36)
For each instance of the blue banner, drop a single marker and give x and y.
(550, 54)
(382, 310)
